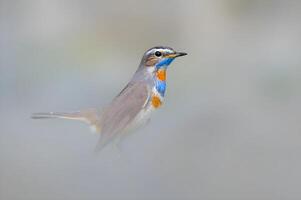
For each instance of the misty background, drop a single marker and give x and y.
(230, 126)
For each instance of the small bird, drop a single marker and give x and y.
(134, 104)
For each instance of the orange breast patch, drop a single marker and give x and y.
(156, 102)
(161, 74)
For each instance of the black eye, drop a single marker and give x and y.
(158, 53)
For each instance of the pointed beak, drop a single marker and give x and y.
(176, 54)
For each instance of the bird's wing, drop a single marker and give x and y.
(122, 111)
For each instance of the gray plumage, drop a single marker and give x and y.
(126, 106)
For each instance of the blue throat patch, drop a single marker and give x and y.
(161, 85)
(164, 63)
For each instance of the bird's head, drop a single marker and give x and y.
(160, 57)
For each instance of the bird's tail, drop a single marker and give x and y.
(90, 116)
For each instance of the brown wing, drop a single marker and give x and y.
(122, 111)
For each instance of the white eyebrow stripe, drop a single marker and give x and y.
(168, 50)
(162, 50)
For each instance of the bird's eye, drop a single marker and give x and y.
(158, 53)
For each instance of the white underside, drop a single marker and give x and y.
(140, 120)
(145, 114)
(142, 117)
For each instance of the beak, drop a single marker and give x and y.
(176, 54)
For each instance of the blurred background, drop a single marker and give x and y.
(229, 129)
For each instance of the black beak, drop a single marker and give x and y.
(178, 54)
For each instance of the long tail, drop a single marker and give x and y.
(90, 116)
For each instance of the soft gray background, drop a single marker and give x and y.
(230, 127)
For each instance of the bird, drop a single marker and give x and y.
(133, 106)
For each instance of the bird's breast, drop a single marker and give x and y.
(156, 99)
(159, 88)
(156, 79)
(160, 81)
